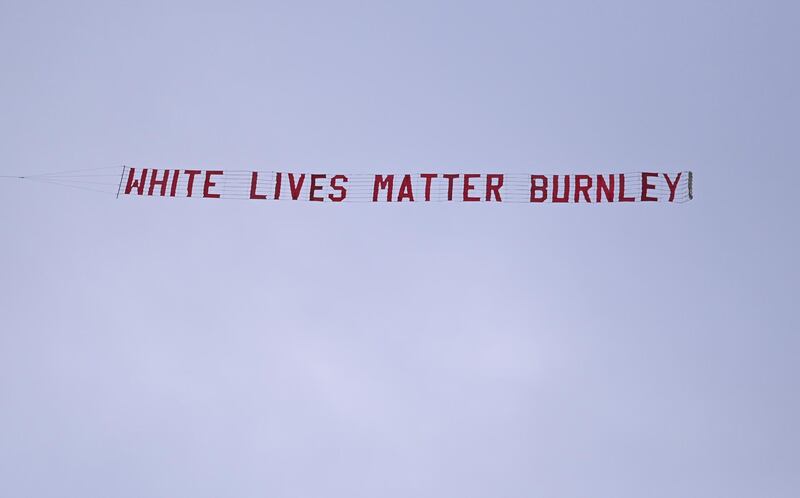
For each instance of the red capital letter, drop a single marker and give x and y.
(428, 178)
(277, 195)
(136, 184)
(538, 188)
(174, 188)
(405, 190)
(190, 181)
(162, 183)
(647, 187)
(606, 189)
(672, 185)
(582, 189)
(450, 178)
(622, 197)
(315, 187)
(253, 184)
(339, 188)
(494, 187)
(468, 187)
(208, 184)
(556, 198)
(295, 188)
(382, 183)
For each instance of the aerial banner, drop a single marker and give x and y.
(674, 187)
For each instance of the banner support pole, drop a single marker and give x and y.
(121, 178)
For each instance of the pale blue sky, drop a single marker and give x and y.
(173, 348)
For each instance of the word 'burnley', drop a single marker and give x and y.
(419, 187)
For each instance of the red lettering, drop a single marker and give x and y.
(174, 188)
(622, 197)
(672, 185)
(161, 183)
(582, 189)
(428, 178)
(315, 187)
(277, 186)
(538, 188)
(295, 188)
(647, 187)
(190, 181)
(137, 184)
(253, 185)
(556, 198)
(405, 190)
(604, 188)
(382, 183)
(342, 191)
(468, 187)
(208, 184)
(450, 178)
(494, 187)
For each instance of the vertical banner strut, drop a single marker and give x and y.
(121, 179)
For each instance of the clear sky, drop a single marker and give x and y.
(199, 348)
